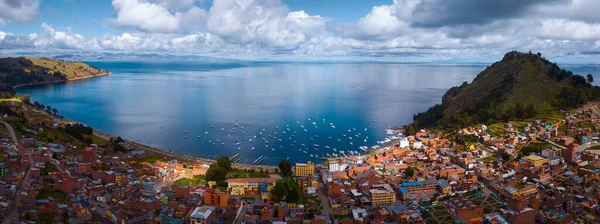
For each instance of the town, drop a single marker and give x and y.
(542, 170)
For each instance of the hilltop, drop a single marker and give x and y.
(28, 70)
(519, 86)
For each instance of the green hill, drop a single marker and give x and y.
(520, 86)
(27, 70)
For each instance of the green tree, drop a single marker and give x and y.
(54, 110)
(279, 191)
(409, 172)
(225, 163)
(286, 168)
(590, 78)
(505, 156)
(216, 173)
(48, 108)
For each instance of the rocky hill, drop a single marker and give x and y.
(27, 70)
(514, 88)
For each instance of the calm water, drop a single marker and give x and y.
(156, 103)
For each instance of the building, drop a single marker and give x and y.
(305, 169)
(382, 195)
(2, 169)
(88, 156)
(214, 197)
(464, 209)
(535, 161)
(248, 186)
(410, 189)
(202, 215)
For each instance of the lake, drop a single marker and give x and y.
(175, 105)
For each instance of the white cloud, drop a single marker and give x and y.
(58, 39)
(268, 23)
(18, 10)
(569, 30)
(145, 16)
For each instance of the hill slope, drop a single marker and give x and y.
(27, 70)
(514, 88)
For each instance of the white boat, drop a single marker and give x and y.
(222, 129)
(327, 147)
(330, 138)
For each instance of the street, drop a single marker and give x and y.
(13, 206)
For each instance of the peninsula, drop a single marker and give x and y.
(15, 72)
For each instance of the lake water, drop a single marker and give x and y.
(156, 103)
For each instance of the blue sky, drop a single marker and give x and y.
(400, 30)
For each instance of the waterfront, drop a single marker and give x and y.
(156, 103)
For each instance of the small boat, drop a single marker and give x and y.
(339, 140)
(222, 129)
(332, 126)
(252, 149)
(327, 147)
(305, 130)
(311, 156)
(316, 136)
(302, 145)
(316, 145)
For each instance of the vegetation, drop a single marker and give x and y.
(149, 159)
(520, 86)
(78, 130)
(536, 147)
(216, 173)
(46, 192)
(225, 163)
(196, 180)
(245, 174)
(27, 70)
(286, 168)
(287, 190)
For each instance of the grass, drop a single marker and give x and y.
(196, 180)
(149, 159)
(48, 168)
(596, 147)
(97, 140)
(46, 193)
(246, 174)
(535, 147)
(14, 99)
(69, 70)
(488, 159)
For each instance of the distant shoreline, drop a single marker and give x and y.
(60, 81)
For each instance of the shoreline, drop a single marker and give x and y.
(61, 81)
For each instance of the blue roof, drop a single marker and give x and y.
(403, 190)
(410, 184)
(443, 183)
(397, 209)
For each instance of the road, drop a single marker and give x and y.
(327, 211)
(17, 197)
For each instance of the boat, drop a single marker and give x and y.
(252, 149)
(339, 140)
(302, 145)
(332, 126)
(316, 136)
(327, 147)
(311, 156)
(305, 130)
(316, 145)
(330, 138)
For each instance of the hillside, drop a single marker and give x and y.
(517, 87)
(27, 70)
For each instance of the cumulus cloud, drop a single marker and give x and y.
(440, 29)
(18, 10)
(266, 22)
(569, 30)
(160, 16)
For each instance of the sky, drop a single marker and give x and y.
(388, 30)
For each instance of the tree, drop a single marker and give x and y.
(409, 172)
(216, 173)
(54, 110)
(225, 163)
(36, 104)
(279, 191)
(590, 78)
(286, 168)
(48, 108)
(505, 156)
